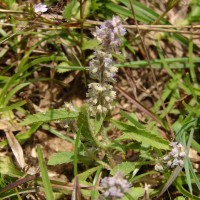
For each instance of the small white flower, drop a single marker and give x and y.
(182, 154)
(159, 167)
(40, 8)
(165, 158)
(181, 163)
(99, 108)
(175, 152)
(107, 98)
(169, 163)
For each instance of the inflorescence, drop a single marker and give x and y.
(174, 158)
(115, 186)
(101, 67)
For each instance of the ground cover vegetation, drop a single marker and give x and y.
(99, 99)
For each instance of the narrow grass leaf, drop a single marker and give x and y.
(131, 117)
(196, 146)
(194, 175)
(45, 179)
(183, 191)
(76, 151)
(83, 176)
(171, 179)
(187, 172)
(57, 133)
(95, 193)
(191, 63)
(40, 60)
(174, 63)
(13, 91)
(165, 64)
(13, 106)
(24, 136)
(12, 193)
(190, 87)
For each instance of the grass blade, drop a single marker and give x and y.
(171, 179)
(45, 179)
(76, 153)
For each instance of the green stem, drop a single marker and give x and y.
(81, 39)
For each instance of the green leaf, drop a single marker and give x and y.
(143, 14)
(45, 179)
(63, 67)
(57, 133)
(51, 115)
(76, 152)
(13, 91)
(7, 167)
(134, 193)
(197, 182)
(67, 13)
(124, 167)
(178, 184)
(61, 158)
(83, 176)
(196, 146)
(13, 106)
(42, 59)
(171, 179)
(85, 124)
(132, 133)
(174, 63)
(133, 119)
(98, 123)
(180, 198)
(90, 44)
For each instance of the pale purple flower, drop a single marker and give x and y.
(102, 67)
(40, 8)
(173, 158)
(115, 186)
(110, 33)
(176, 156)
(174, 152)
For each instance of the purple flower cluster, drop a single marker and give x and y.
(102, 69)
(110, 33)
(115, 186)
(176, 155)
(174, 158)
